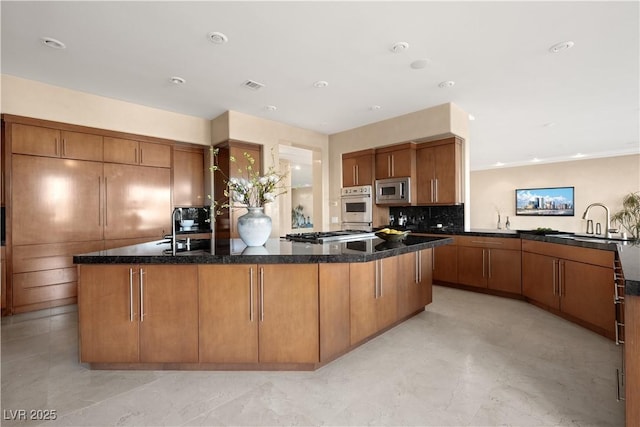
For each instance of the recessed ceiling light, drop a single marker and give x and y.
(499, 164)
(270, 108)
(419, 64)
(53, 43)
(578, 155)
(177, 80)
(472, 117)
(399, 47)
(321, 84)
(217, 38)
(448, 83)
(375, 107)
(559, 47)
(535, 160)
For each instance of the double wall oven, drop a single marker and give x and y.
(357, 208)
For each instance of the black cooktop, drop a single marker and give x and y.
(329, 236)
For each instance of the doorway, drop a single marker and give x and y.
(298, 213)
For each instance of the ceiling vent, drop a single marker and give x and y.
(252, 84)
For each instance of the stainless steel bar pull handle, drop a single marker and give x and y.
(131, 295)
(436, 181)
(251, 294)
(381, 282)
(106, 204)
(393, 166)
(489, 262)
(560, 277)
(141, 295)
(99, 200)
(555, 277)
(417, 268)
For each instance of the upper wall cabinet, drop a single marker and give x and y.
(357, 168)
(41, 141)
(439, 172)
(131, 152)
(396, 161)
(188, 177)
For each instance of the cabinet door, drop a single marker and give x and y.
(137, 201)
(425, 175)
(241, 167)
(188, 178)
(539, 279)
(446, 171)
(55, 200)
(387, 303)
(364, 170)
(288, 330)
(445, 263)
(118, 150)
(587, 293)
(168, 313)
(334, 309)
(472, 268)
(35, 140)
(393, 164)
(426, 276)
(349, 172)
(156, 155)
(409, 287)
(108, 314)
(504, 270)
(81, 146)
(228, 313)
(363, 293)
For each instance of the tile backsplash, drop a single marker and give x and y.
(427, 218)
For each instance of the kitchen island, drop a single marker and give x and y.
(285, 305)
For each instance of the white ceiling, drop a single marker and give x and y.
(527, 101)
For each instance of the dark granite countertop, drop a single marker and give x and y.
(275, 251)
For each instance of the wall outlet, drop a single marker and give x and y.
(334, 220)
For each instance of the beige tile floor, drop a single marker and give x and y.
(469, 360)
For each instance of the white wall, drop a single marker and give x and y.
(605, 180)
(29, 98)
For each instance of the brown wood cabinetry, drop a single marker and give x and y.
(335, 330)
(138, 313)
(396, 161)
(42, 141)
(137, 201)
(55, 200)
(228, 310)
(188, 177)
(414, 282)
(439, 172)
(577, 282)
(374, 297)
(275, 305)
(358, 168)
(226, 222)
(445, 261)
(489, 262)
(128, 151)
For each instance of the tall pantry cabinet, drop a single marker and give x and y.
(71, 190)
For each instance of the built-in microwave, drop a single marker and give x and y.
(393, 191)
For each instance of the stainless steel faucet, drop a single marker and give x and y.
(608, 228)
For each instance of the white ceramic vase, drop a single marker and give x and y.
(254, 227)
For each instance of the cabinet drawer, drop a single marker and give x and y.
(43, 286)
(574, 253)
(489, 242)
(51, 256)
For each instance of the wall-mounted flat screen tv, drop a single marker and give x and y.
(556, 201)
